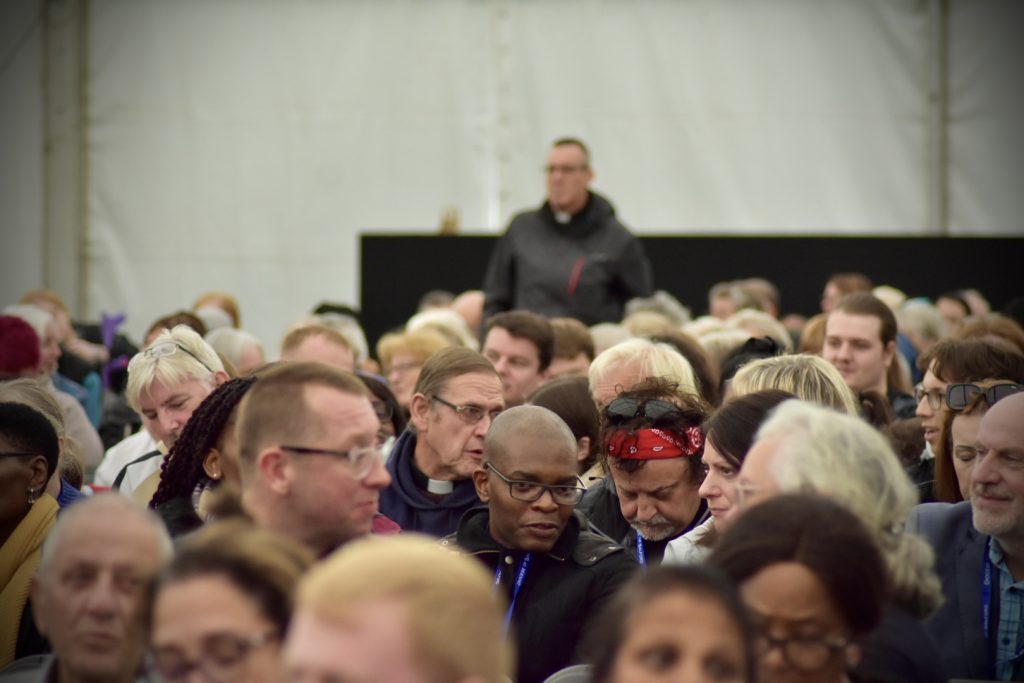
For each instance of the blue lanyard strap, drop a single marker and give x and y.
(524, 565)
(641, 552)
(986, 591)
(986, 605)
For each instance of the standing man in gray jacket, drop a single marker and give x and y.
(571, 257)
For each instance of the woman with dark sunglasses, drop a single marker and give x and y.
(957, 447)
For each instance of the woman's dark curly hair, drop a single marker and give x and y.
(182, 469)
(693, 411)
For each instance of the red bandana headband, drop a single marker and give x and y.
(654, 444)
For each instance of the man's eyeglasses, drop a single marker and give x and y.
(469, 413)
(359, 460)
(804, 653)
(551, 169)
(169, 348)
(16, 454)
(531, 491)
(959, 396)
(623, 409)
(935, 397)
(220, 659)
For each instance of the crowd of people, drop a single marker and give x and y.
(559, 477)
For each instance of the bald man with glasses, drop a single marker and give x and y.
(556, 572)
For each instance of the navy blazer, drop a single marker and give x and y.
(959, 551)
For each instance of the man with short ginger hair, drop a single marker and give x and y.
(310, 463)
(401, 610)
(571, 257)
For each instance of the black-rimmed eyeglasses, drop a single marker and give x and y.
(531, 491)
(469, 413)
(804, 653)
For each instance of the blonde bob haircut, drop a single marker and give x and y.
(192, 359)
(844, 458)
(453, 617)
(654, 360)
(811, 378)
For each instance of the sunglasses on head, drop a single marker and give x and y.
(622, 409)
(959, 396)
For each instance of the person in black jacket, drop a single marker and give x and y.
(556, 572)
(571, 257)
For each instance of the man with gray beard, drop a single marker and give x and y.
(652, 447)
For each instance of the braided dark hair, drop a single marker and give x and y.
(182, 469)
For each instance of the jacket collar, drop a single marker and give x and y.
(475, 536)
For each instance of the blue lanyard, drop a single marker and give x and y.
(986, 605)
(641, 552)
(524, 564)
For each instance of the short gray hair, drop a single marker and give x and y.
(654, 360)
(102, 502)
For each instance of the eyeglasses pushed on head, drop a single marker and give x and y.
(169, 348)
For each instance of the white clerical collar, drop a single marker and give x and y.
(441, 488)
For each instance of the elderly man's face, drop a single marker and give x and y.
(660, 499)
(997, 479)
(89, 601)
(450, 445)
(569, 176)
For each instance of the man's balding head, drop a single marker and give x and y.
(531, 422)
(997, 480)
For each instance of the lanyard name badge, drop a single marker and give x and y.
(524, 565)
(986, 605)
(641, 552)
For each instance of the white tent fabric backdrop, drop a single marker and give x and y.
(244, 146)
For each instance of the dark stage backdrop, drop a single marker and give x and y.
(396, 270)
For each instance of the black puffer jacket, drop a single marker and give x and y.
(586, 269)
(563, 590)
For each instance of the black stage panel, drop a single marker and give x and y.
(396, 270)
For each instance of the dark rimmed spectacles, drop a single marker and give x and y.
(935, 397)
(16, 454)
(531, 491)
(359, 460)
(469, 413)
(959, 396)
(169, 348)
(804, 653)
(220, 658)
(624, 409)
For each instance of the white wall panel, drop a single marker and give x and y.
(244, 145)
